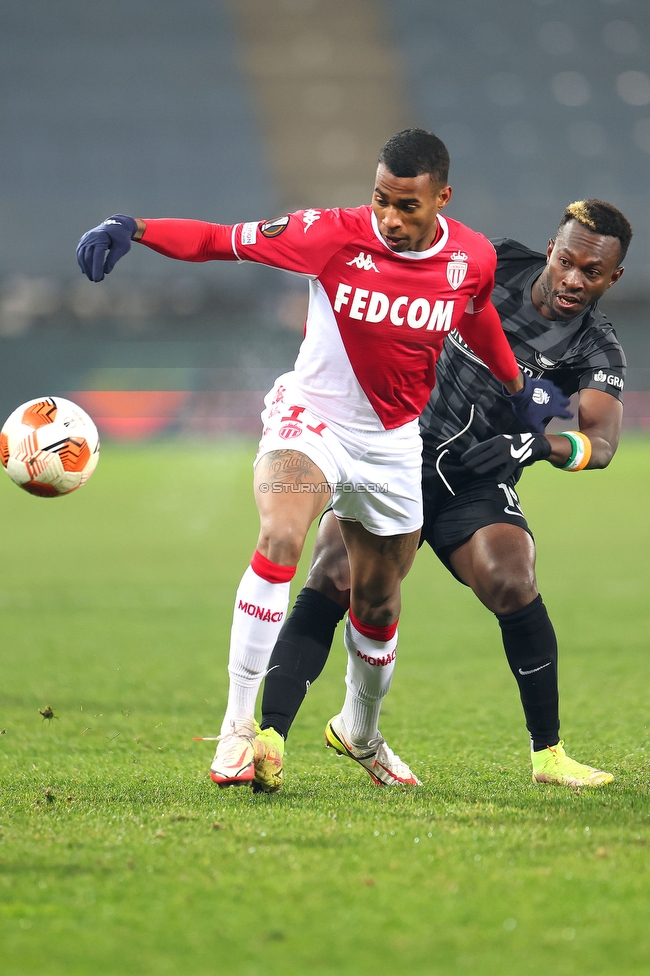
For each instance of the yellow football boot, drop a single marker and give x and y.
(552, 765)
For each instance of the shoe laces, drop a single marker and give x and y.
(385, 754)
(555, 754)
(241, 732)
(377, 741)
(568, 764)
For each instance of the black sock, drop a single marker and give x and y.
(531, 648)
(299, 656)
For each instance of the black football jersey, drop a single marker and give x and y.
(467, 404)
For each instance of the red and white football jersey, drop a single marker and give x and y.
(377, 319)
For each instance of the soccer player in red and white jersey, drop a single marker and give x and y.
(387, 283)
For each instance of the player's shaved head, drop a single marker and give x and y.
(413, 152)
(600, 218)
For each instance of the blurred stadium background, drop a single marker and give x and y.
(243, 109)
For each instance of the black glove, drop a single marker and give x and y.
(537, 403)
(101, 248)
(503, 455)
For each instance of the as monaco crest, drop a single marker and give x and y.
(457, 269)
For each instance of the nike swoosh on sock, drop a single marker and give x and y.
(548, 664)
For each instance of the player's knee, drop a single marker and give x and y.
(376, 616)
(510, 591)
(282, 543)
(376, 605)
(330, 569)
(329, 572)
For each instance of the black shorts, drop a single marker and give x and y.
(456, 505)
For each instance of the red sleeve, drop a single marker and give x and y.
(301, 242)
(190, 240)
(484, 334)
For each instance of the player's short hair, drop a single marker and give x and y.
(412, 152)
(601, 218)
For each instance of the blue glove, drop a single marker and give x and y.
(101, 248)
(537, 403)
(502, 456)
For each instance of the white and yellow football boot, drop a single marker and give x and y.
(377, 758)
(233, 763)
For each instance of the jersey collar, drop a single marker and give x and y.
(415, 255)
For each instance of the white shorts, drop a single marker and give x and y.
(375, 476)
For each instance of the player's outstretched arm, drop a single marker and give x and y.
(102, 247)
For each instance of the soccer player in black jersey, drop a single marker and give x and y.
(474, 453)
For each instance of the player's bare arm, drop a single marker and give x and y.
(599, 418)
(516, 385)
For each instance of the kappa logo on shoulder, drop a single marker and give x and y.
(457, 269)
(363, 262)
(310, 217)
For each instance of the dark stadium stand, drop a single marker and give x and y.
(540, 103)
(210, 109)
(136, 106)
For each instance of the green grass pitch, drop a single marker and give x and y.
(119, 856)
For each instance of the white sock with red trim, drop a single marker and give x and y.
(371, 662)
(260, 608)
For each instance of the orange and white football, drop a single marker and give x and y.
(49, 446)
